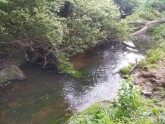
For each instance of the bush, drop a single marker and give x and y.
(156, 4)
(68, 68)
(70, 26)
(127, 6)
(125, 70)
(130, 108)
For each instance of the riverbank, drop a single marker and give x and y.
(152, 80)
(11, 58)
(51, 33)
(142, 105)
(130, 107)
(141, 100)
(14, 55)
(147, 100)
(51, 97)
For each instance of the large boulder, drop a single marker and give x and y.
(12, 72)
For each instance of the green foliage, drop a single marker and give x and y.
(143, 14)
(158, 52)
(129, 98)
(116, 30)
(23, 19)
(152, 57)
(92, 21)
(71, 26)
(68, 68)
(156, 4)
(150, 12)
(125, 70)
(130, 108)
(126, 6)
(158, 34)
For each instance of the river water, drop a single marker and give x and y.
(51, 98)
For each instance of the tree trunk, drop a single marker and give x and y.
(146, 24)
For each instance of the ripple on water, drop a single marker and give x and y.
(49, 96)
(105, 81)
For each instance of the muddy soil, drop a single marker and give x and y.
(152, 81)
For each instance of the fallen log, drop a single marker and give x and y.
(146, 24)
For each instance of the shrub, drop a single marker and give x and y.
(70, 26)
(129, 108)
(125, 70)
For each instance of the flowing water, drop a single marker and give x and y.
(51, 98)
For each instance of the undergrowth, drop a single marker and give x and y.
(129, 108)
(157, 53)
(66, 67)
(126, 70)
(152, 57)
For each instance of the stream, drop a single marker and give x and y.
(51, 98)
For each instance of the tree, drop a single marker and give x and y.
(146, 24)
(158, 5)
(126, 6)
(55, 27)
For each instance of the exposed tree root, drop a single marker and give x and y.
(42, 53)
(35, 52)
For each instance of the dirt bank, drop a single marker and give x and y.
(152, 81)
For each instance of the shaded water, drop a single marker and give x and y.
(50, 98)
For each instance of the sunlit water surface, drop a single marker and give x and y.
(50, 98)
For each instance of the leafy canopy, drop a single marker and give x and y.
(71, 26)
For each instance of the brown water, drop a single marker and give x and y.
(50, 98)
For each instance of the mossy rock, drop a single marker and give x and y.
(11, 73)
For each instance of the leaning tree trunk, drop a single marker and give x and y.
(146, 24)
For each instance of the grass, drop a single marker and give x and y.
(129, 108)
(152, 57)
(126, 70)
(158, 52)
(66, 67)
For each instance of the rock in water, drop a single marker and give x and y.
(12, 72)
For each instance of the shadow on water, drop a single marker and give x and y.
(50, 98)
(37, 100)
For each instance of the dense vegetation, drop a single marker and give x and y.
(130, 108)
(56, 30)
(61, 27)
(153, 10)
(126, 6)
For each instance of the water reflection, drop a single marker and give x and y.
(48, 98)
(37, 100)
(103, 79)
